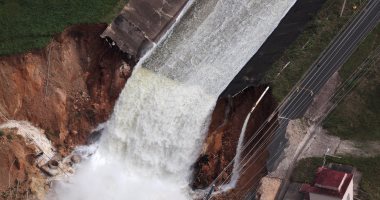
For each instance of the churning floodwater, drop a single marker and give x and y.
(162, 115)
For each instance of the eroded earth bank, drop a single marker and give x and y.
(66, 89)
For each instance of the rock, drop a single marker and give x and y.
(75, 158)
(57, 157)
(74, 132)
(53, 164)
(69, 142)
(37, 155)
(48, 171)
(37, 187)
(125, 71)
(94, 137)
(206, 169)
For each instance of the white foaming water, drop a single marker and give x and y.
(239, 150)
(236, 167)
(160, 119)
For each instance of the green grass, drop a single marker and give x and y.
(371, 42)
(357, 116)
(305, 170)
(318, 34)
(30, 24)
(369, 167)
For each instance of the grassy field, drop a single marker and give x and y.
(30, 24)
(369, 167)
(306, 49)
(357, 116)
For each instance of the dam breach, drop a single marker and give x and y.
(162, 116)
(142, 23)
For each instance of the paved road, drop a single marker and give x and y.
(334, 56)
(331, 60)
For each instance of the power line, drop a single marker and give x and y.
(355, 80)
(298, 83)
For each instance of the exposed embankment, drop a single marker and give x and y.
(17, 173)
(220, 145)
(221, 142)
(71, 86)
(67, 89)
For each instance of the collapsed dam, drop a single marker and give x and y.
(161, 117)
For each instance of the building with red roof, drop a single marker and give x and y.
(330, 184)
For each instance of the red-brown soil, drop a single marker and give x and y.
(67, 89)
(16, 166)
(224, 132)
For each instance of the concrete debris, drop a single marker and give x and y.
(125, 71)
(132, 29)
(75, 158)
(33, 136)
(49, 171)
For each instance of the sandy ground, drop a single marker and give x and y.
(295, 133)
(269, 187)
(321, 141)
(319, 144)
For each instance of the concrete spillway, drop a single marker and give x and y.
(160, 119)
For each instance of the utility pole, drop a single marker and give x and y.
(278, 74)
(324, 157)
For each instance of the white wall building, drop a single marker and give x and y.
(330, 184)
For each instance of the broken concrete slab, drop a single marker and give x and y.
(49, 171)
(142, 22)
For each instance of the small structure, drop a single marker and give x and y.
(330, 184)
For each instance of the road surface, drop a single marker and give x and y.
(334, 56)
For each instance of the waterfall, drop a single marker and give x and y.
(239, 149)
(161, 117)
(236, 167)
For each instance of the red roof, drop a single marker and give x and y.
(329, 182)
(329, 179)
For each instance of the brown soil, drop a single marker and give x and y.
(220, 145)
(67, 89)
(16, 166)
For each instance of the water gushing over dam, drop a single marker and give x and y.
(160, 119)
